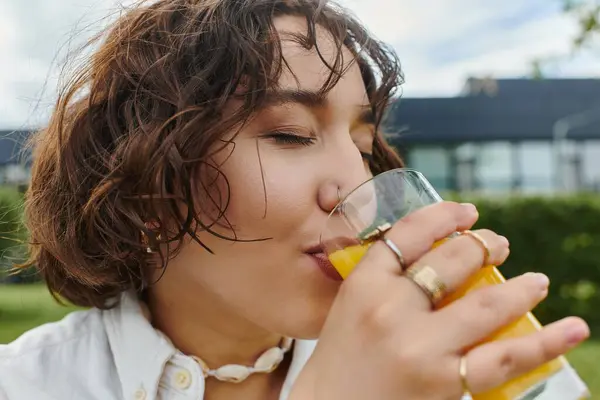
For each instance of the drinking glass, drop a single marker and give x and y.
(392, 195)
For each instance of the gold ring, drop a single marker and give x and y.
(482, 242)
(462, 371)
(428, 281)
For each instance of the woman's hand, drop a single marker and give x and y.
(383, 340)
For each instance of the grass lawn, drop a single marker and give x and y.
(25, 306)
(586, 360)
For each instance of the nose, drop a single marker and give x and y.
(347, 171)
(329, 195)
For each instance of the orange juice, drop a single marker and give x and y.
(523, 387)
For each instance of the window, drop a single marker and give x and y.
(591, 164)
(466, 160)
(536, 160)
(495, 166)
(434, 163)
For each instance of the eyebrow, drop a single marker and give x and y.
(313, 99)
(304, 97)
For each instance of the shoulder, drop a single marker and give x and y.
(61, 335)
(55, 360)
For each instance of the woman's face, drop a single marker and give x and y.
(284, 174)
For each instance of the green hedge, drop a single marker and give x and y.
(13, 236)
(559, 236)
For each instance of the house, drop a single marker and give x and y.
(14, 160)
(497, 136)
(505, 135)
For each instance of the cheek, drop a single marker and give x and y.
(275, 197)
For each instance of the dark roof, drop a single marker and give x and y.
(504, 109)
(582, 89)
(11, 147)
(513, 109)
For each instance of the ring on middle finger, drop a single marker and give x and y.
(428, 280)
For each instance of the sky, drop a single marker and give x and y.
(439, 42)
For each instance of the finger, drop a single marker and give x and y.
(459, 258)
(480, 313)
(495, 363)
(415, 234)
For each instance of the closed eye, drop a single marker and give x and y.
(286, 138)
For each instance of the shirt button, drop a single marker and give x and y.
(139, 394)
(183, 379)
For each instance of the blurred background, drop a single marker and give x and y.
(501, 107)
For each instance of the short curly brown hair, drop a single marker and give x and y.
(133, 127)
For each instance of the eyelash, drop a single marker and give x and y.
(290, 138)
(285, 138)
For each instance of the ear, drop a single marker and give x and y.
(151, 236)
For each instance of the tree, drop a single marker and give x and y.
(587, 13)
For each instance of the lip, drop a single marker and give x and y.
(325, 265)
(318, 253)
(339, 242)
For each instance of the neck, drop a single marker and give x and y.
(208, 329)
(203, 326)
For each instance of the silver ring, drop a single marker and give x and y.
(392, 246)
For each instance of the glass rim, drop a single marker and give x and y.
(389, 172)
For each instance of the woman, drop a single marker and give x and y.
(179, 192)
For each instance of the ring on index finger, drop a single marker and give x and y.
(392, 246)
(378, 234)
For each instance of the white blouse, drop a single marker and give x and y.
(108, 355)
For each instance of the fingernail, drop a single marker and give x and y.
(575, 334)
(470, 207)
(504, 239)
(541, 279)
